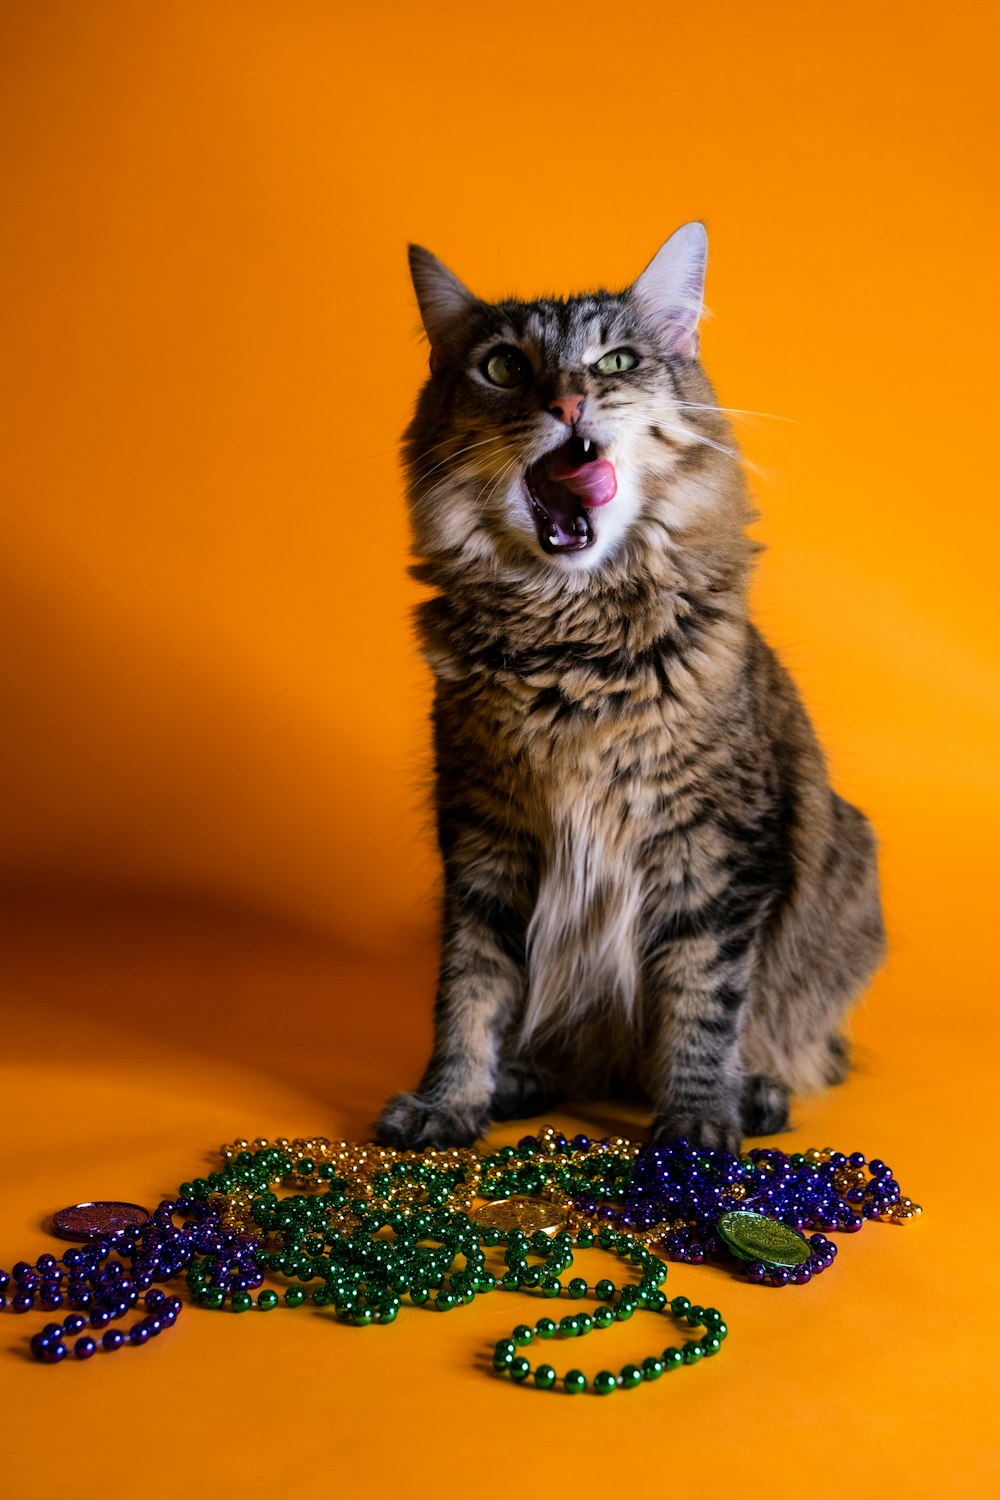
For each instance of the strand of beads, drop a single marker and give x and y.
(109, 1277)
(508, 1360)
(365, 1277)
(679, 1193)
(614, 1304)
(331, 1235)
(50, 1345)
(555, 1256)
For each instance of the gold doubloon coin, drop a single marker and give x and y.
(526, 1214)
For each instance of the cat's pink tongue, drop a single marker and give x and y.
(593, 484)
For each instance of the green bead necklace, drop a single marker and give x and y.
(508, 1360)
(376, 1227)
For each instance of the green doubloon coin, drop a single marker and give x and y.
(756, 1237)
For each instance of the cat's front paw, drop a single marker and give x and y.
(413, 1123)
(710, 1135)
(764, 1110)
(521, 1092)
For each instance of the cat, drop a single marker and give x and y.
(649, 884)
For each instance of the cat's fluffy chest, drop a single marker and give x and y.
(582, 938)
(613, 802)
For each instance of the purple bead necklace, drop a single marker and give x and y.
(113, 1275)
(682, 1194)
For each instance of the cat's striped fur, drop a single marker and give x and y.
(649, 884)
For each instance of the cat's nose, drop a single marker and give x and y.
(567, 409)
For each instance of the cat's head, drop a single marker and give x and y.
(560, 434)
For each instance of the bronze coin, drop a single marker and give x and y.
(91, 1221)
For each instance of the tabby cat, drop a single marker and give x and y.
(649, 884)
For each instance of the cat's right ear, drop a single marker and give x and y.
(444, 302)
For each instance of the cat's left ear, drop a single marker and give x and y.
(443, 300)
(671, 288)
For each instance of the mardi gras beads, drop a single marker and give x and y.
(107, 1279)
(507, 1358)
(361, 1228)
(684, 1194)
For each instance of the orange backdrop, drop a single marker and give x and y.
(220, 879)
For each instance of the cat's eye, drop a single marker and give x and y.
(506, 367)
(617, 361)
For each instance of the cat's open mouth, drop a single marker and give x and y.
(565, 488)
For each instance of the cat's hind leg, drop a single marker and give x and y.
(838, 1058)
(821, 951)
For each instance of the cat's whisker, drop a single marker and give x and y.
(699, 437)
(708, 442)
(496, 437)
(490, 487)
(691, 434)
(737, 411)
(468, 447)
(451, 457)
(463, 473)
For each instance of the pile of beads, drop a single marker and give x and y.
(669, 1197)
(360, 1228)
(363, 1276)
(336, 1236)
(679, 1195)
(370, 1177)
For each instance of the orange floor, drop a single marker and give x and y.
(140, 1036)
(216, 878)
